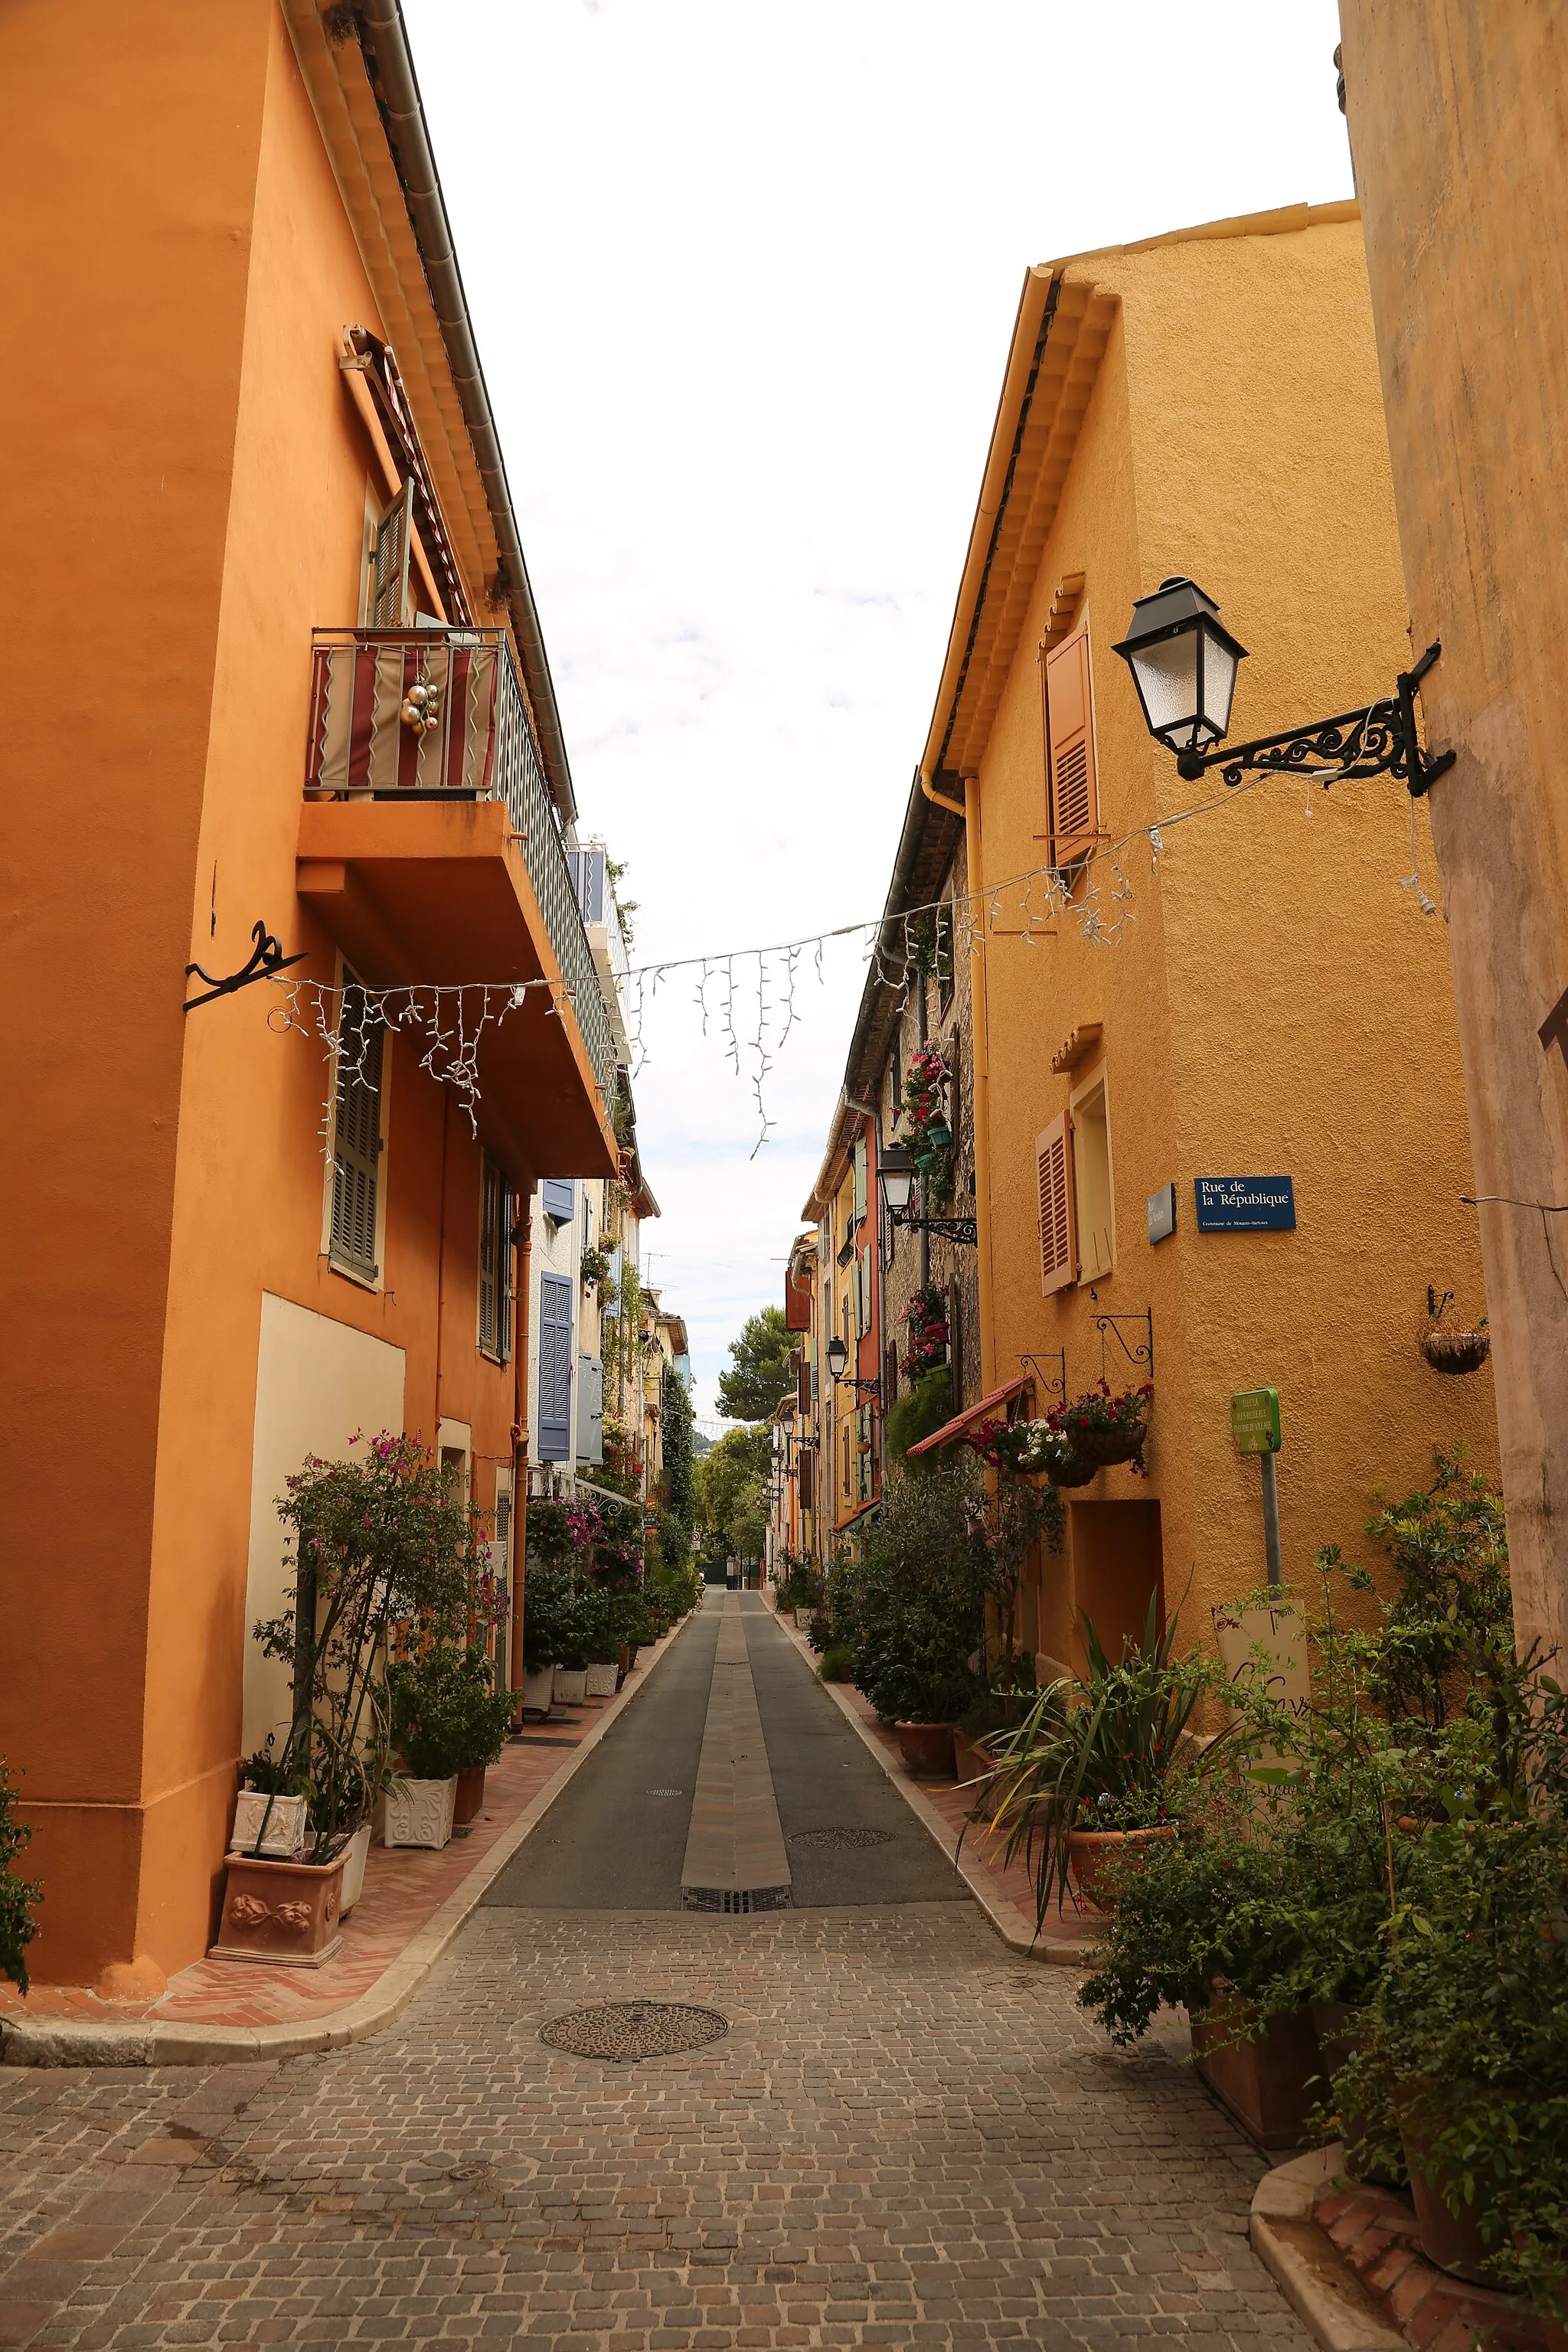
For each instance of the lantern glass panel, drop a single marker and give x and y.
(1219, 684)
(838, 1357)
(1167, 676)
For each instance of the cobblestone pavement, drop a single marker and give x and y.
(907, 2139)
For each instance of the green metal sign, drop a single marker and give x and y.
(1255, 1421)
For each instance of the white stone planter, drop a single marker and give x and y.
(354, 1855)
(603, 1680)
(285, 1827)
(418, 1812)
(572, 1685)
(538, 1690)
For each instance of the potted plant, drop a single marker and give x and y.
(547, 1598)
(1103, 1428)
(1099, 1766)
(449, 1725)
(925, 1320)
(911, 1607)
(271, 1812)
(20, 1898)
(376, 1542)
(574, 1641)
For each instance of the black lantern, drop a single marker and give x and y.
(896, 1175)
(1184, 666)
(838, 1357)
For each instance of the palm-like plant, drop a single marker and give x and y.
(1114, 1745)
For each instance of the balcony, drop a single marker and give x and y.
(434, 854)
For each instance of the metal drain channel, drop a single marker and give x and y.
(737, 1898)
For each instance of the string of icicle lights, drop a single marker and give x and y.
(751, 1010)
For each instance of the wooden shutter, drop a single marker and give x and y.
(554, 1368)
(803, 1479)
(802, 1385)
(490, 1270)
(356, 1135)
(389, 562)
(1074, 796)
(1052, 1174)
(560, 1200)
(860, 1179)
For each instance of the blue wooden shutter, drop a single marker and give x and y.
(554, 1368)
(560, 1199)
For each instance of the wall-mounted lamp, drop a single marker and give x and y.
(1184, 664)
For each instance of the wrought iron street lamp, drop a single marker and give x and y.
(838, 1365)
(1184, 664)
(896, 1175)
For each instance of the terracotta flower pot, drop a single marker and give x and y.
(285, 1913)
(1093, 1852)
(973, 1762)
(926, 1749)
(1269, 2084)
(1453, 2241)
(471, 1795)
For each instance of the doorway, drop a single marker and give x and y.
(1114, 1563)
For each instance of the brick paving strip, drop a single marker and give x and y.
(734, 1845)
(414, 1902)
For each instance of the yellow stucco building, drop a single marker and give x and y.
(1251, 992)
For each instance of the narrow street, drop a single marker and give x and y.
(900, 2134)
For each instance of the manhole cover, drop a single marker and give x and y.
(836, 1840)
(630, 2029)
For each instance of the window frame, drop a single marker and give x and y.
(1096, 1081)
(338, 1263)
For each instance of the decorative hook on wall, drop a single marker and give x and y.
(1055, 1382)
(1142, 1352)
(266, 957)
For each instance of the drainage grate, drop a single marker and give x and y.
(735, 1898)
(664, 1792)
(836, 1841)
(630, 2029)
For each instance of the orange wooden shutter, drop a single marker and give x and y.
(1074, 786)
(803, 1480)
(1054, 1181)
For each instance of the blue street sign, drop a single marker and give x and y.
(1244, 1204)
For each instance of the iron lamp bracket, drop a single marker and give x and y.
(1382, 739)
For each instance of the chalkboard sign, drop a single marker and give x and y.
(1244, 1204)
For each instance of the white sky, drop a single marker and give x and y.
(742, 279)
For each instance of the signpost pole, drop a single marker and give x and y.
(1271, 1523)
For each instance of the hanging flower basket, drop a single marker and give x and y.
(1102, 1446)
(1102, 1428)
(1456, 1351)
(1072, 1470)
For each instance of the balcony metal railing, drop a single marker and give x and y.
(480, 747)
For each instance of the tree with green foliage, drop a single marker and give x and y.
(740, 1458)
(679, 1471)
(761, 1369)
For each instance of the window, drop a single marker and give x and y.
(554, 1368)
(1072, 810)
(389, 554)
(844, 1456)
(1054, 1190)
(558, 1199)
(495, 1262)
(357, 1136)
(945, 981)
(1092, 1202)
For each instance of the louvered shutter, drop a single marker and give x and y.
(490, 1270)
(802, 1385)
(860, 1179)
(554, 1368)
(803, 1479)
(560, 1200)
(1074, 819)
(356, 1136)
(389, 562)
(1053, 1175)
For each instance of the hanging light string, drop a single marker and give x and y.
(1096, 894)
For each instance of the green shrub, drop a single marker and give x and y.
(446, 1716)
(20, 1898)
(838, 1662)
(919, 1412)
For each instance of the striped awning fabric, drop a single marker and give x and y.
(358, 740)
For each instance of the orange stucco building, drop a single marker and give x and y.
(242, 406)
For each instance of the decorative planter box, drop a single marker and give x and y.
(1269, 2084)
(538, 1690)
(356, 1854)
(570, 1684)
(285, 1826)
(284, 1913)
(471, 1795)
(603, 1680)
(418, 1812)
